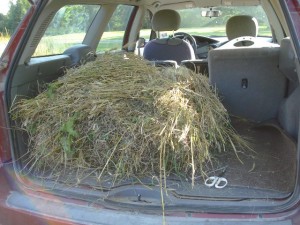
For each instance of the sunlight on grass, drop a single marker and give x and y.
(112, 40)
(52, 45)
(4, 39)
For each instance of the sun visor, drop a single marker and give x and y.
(180, 5)
(241, 2)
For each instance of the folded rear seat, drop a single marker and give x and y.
(290, 108)
(246, 75)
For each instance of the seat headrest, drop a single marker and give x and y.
(166, 20)
(242, 25)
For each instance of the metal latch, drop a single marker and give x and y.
(244, 83)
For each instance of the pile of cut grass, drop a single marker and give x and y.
(121, 117)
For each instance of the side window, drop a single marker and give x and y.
(145, 31)
(67, 29)
(112, 38)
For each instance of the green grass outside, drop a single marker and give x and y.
(4, 39)
(52, 45)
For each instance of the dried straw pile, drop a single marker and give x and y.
(125, 118)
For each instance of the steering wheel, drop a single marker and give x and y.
(187, 37)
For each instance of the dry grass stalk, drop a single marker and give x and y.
(124, 118)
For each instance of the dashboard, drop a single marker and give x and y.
(205, 44)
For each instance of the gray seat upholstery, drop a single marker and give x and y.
(248, 78)
(287, 63)
(290, 107)
(245, 72)
(289, 114)
(241, 25)
(167, 48)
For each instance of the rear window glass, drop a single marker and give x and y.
(145, 32)
(67, 29)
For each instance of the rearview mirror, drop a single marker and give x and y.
(211, 13)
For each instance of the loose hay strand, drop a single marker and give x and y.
(124, 118)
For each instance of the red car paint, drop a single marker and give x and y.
(9, 181)
(5, 65)
(294, 9)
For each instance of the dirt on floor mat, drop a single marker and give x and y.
(271, 166)
(267, 172)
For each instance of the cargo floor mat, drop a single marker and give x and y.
(271, 165)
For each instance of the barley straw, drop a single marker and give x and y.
(121, 117)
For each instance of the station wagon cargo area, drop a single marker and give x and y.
(73, 57)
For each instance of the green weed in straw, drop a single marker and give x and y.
(122, 117)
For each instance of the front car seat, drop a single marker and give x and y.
(241, 25)
(167, 48)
